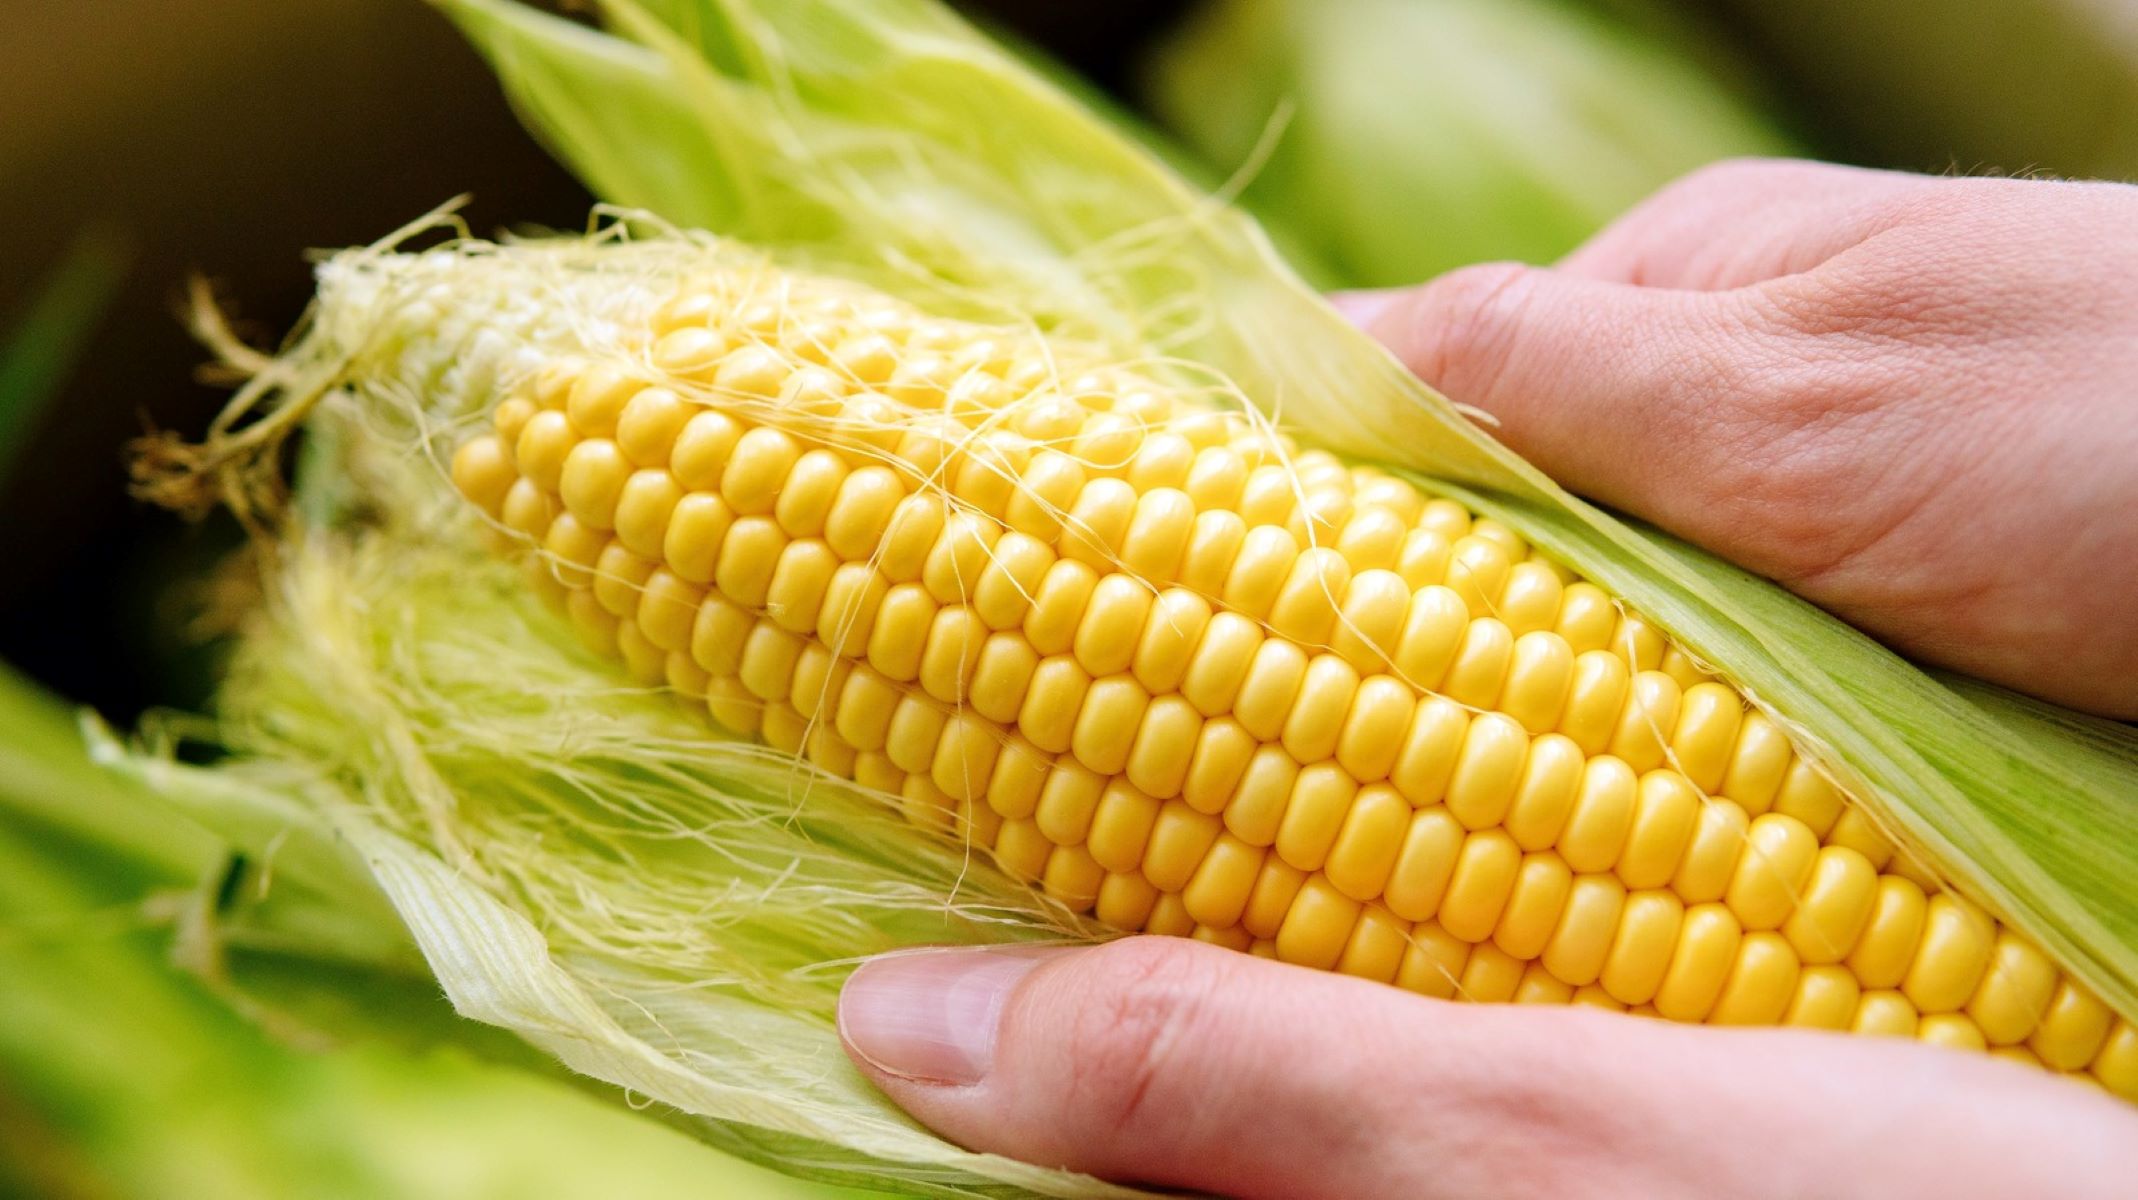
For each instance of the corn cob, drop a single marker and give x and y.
(1195, 680)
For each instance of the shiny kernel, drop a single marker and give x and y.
(900, 634)
(1098, 523)
(592, 481)
(1531, 598)
(1640, 954)
(1424, 864)
(847, 616)
(1021, 850)
(1121, 826)
(1212, 548)
(1069, 800)
(733, 708)
(1270, 497)
(1835, 906)
(1321, 799)
(1317, 926)
(1491, 975)
(1651, 713)
(1641, 644)
(1887, 944)
(597, 400)
(526, 510)
(1433, 962)
(1884, 1014)
(1113, 620)
(1217, 893)
(1484, 877)
(1072, 877)
(1487, 770)
(1855, 829)
(2015, 991)
(1369, 626)
(1372, 540)
(1106, 723)
(618, 577)
(1259, 571)
(950, 654)
(819, 678)
(1217, 764)
(1051, 483)
(768, 657)
(1167, 643)
(1375, 949)
(805, 500)
(1158, 535)
(1761, 984)
(1366, 846)
(1306, 605)
(1258, 804)
(1541, 889)
(1426, 761)
(2073, 1028)
(510, 417)
(2116, 1066)
(1665, 813)
(644, 507)
(1216, 479)
(1826, 998)
(1951, 1030)
(483, 473)
(1374, 727)
(1000, 676)
(572, 550)
(1581, 940)
(1272, 686)
(1219, 666)
(1540, 673)
(861, 511)
(1164, 461)
(644, 662)
(702, 450)
(1277, 884)
(1595, 699)
(915, 731)
(1020, 771)
(1477, 572)
(1324, 699)
(1772, 873)
(800, 582)
(1806, 795)
(915, 526)
(650, 424)
(666, 610)
(1158, 760)
(1446, 518)
(1701, 962)
(1596, 830)
(716, 635)
(1709, 718)
(1125, 900)
(1424, 561)
(1758, 763)
(1544, 798)
(1058, 606)
(965, 757)
(1052, 702)
(1004, 592)
(544, 443)
(758, 468)
(1711, 860)
(1587, 615)
(952, 569)
(1180, 839)
(1951, 958)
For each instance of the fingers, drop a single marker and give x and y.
(1744, 221)
(1624, 394)
(1168, 1062)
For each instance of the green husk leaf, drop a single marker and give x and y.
(580, 864)
(1426, 134)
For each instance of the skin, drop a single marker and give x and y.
(1909, 399)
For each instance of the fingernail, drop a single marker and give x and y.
(931, 1015)
(1362, 308)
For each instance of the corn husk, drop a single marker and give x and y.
(1401, 138)
(580, 864)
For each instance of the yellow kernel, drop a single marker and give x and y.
(1544, 798)
(1158, 761)
(806, 498)
(1834, 908)
(1180, 839)
(1217, 893)
(618, 577)
(483, 473)
(1541, 889)
(1826, 998)
(1594, 700)
(1020, 771)
(2015, 991)
(1317, 714)
(1772, 872)
(1273, 681)
(1709, 717)
(1588, 922)
(1491, 975)
(1375, 949)
(1711, 860)
(1058, 606)
(1052, 702)
(1321, 799)
(1098, 523)
(1106, 636)
(861, 511)
(1487, 770)
(701, 451)
(1806, 795)
(2073, 1028)
(1587, 615)
(1761, 984)
(950, 653)
(1121, 826)
(1709, 938)
(1306, 604)
(1603, 814)
(1433, 963)
(1640, 954)
(1317, 925)
(1364, 852)
(1665, 813)
(1951, 958)
(1125, 900)
(543, 445)
(1884, 1014)
(1484, 876)
(1887, 944)
(1158, 535)
(1217, 764)
(1424, 864)
(1758, 763)
(1426, 760)
(1004, 592)
(1220, 663)
(757, 469)
(1374, 726)
(1277, 884)
(1168, 640)
(1106, 724)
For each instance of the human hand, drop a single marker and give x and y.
(1168, 1062)
(1911, 400)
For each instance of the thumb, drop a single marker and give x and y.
(1610, 388)
(1168, 1062)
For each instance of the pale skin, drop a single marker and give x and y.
(1912, 400)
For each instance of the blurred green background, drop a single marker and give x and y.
(144, 141)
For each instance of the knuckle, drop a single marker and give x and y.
(1153, 1000)
(1463, 333)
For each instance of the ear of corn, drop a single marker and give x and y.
(581, 863)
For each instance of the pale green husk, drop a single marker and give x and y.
(580, 864)
(1407, 137)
